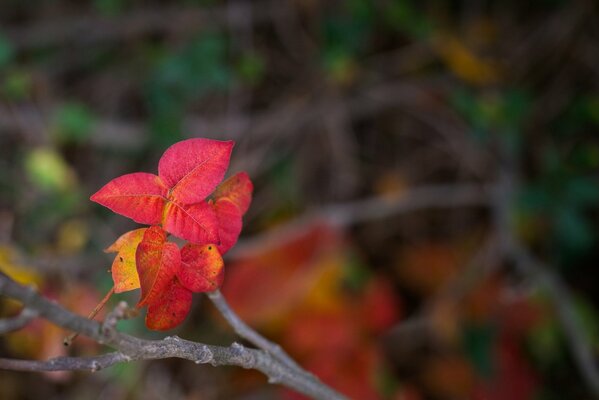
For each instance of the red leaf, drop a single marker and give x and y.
(192, 168)
(202, 268)
(196, 222)
(229, 223)
(157, 263)
(139, 196)
(170, 307)
(238, 189)
(124, 271)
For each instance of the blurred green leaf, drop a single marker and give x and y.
(478, 342)
(73, 122)
(402, 15)
(251, 68)
(17, 84)
(48, 170)
(6, 51)
(182, 78)
(110, 7)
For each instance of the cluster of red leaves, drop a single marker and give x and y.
(176, 201)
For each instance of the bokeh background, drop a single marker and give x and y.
(424, 223)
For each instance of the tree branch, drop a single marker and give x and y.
(132, 348)
(15, 323)
(243, 330)
(91, 364)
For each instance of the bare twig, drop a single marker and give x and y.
(15, 323)
(92, 364)
(133, 348)
(541, 274)
(243, 330)
(563, 303)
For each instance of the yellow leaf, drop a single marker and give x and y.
(72, 236)
(19, 273)
(124, 270)
(464, 63)
(48, 170)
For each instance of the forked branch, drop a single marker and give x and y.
(130, 348)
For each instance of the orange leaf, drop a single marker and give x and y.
(202, 268)
(170, 307)
(238, 189)
(157, 264)
(124, 271)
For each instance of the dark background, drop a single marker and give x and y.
(422, 170)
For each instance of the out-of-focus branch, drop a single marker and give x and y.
(563, 303)
(15, 323)
(377, 208)
(88, 29)
(132, 348)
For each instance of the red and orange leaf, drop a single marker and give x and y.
(124, 272)
(139, 196)
(158, 262)
(192, 168)
(238, 189)
(196, 223)
(229, 223)
(170, 307)
(202, 268)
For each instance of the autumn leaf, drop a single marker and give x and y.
(170, 307)
(197, 223)
(187, 172)
(238, 189)
(228, 216)
(139, 196)
(158, 262)
(193, 168)
(202, 268)
(124, 271)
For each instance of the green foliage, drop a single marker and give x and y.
(403, 16)
(478, 342)
(17, 84)
(182, 78)
(73, 122)
(6, 51)
(251, 68)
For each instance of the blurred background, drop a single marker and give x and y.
(424, 223)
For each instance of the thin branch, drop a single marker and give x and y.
(243, 330)
(559, 294)
(134, 348)
(91, 364)
(563, 303)
(15, 323)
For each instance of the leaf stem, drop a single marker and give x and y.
(69, 339)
